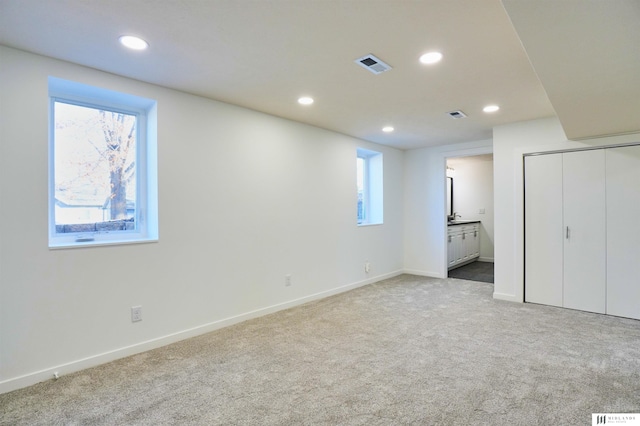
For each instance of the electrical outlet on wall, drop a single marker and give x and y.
(481, 211)
(367, 267)
(136, 313)
(287, 280)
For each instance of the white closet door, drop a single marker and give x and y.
(584, 230)
(623, 231)
(543, 225)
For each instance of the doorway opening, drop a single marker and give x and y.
(469, 212)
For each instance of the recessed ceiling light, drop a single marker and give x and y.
(305, 100)
(491, 108)
(387, 129)
(133, 42)
(431, 57)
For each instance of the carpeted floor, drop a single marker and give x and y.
(405, 351)
(474, 271)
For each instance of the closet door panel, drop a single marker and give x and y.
(623, 231)
(584, 230)
(543, 225)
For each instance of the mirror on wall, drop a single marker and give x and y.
(449, 197)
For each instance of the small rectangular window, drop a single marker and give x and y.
(103, 177)
(369, 182)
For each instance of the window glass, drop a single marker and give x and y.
(360, 163)
(95, 168)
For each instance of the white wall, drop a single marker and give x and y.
(245, 198)
(425, 201)
(473, 190)
(510, 142)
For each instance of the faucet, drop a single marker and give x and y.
(452, 218)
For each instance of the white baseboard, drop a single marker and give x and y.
(423, 273)
(81, 364)
(485, 259)
(507, 297)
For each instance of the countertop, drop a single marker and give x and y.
(461, 222)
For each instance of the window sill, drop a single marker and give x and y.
(98, 242)
(370, 224)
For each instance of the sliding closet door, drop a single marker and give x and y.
(543, 225)
(584, 230)
(623, 231)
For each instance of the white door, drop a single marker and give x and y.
(623, 231)
(475, 246)
(451, 251)
(458, 246)
(584, 230)
(465, 244)
(471, 240)
(543, 229)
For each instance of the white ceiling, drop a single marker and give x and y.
(264, 54)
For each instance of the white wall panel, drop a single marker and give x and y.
(245, 199)
(425, 230)
(623, 231)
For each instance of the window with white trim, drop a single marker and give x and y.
(369, 181)
(102, 166)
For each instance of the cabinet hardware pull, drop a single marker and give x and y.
(567, 233)
(463, 236)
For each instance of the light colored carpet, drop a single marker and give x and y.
(405, 351)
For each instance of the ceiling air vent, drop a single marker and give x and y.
(373, 64)
(457, 114)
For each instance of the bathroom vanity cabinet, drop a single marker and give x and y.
(463, 243)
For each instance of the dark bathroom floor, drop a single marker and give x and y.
(475, 271)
